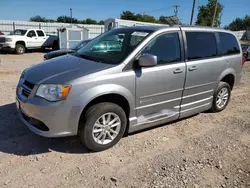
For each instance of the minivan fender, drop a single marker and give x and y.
(88, 95)
(225, 73)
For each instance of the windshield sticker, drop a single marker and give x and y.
(143, 34)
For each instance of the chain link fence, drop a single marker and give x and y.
(8, 26)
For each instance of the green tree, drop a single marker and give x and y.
(239, 24)
(101, 22)
(148, 18)
(66, 19)
(90, 21)
(128, 15)
(206, 12)
(162, 20)
(38, 19)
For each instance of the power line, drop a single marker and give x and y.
(153, 10)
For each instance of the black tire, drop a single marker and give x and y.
(20, 49)
(88, 120)
(221, 85)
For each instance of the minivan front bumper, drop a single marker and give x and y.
(45, 119)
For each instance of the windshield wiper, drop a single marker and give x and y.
(86, 57)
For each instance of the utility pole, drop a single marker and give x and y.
(192, 14)
(176, 9)
(220, 19)
(70, 15)
(215, 10)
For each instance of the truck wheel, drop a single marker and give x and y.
(221, 97)
(102, 126)
(20, 49)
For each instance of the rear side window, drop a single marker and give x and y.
(228, 44)
(40, 33)
(201, 45)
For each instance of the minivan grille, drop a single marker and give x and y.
(2, 39)
(26, 88)
(29, 84)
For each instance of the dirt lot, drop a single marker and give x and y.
(207, 150)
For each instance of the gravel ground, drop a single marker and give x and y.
(206, 150)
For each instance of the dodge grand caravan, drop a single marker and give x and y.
(129, 79)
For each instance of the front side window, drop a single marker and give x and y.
(228, 44)
(31, 33)
(166, 47)
(19, 32)
(40, 33)
(112, 47)
(201, 45)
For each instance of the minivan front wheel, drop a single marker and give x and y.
(102, 126)
(221, 97)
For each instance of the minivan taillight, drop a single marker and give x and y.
(243, 61)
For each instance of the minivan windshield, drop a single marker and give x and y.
(113, 46)
(80, 44)
(21, 32)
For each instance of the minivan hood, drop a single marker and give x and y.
(58, 53)
(58, 67)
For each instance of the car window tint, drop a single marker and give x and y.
(166, 47)
(201, 45)
(228, 44)
(32, 33)
(40, 33)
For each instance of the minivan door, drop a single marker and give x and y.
(204, 67)
(159, 89)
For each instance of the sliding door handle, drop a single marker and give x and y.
(178, 71)
(192, 68)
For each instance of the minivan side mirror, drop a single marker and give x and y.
(147, 60)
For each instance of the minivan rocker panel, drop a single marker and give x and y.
(130, 79)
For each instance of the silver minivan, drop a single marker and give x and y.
(128, 79)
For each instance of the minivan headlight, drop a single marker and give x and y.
(52, 92)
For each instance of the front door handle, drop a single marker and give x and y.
(192, 68)
(178, 71)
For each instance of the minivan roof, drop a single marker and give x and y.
(155, 28)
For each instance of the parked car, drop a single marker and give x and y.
(61, 52)
(155, 75)
(20, 40)
(246, 51)
(1, 33)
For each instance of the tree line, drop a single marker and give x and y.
(204, 18)
(66, 19)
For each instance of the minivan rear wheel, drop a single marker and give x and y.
(102, 126)
(221, 97)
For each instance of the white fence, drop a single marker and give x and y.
(239, 34)
(6, 26)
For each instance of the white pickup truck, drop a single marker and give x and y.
(21, 39)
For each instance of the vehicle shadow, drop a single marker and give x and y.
(17, 139)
